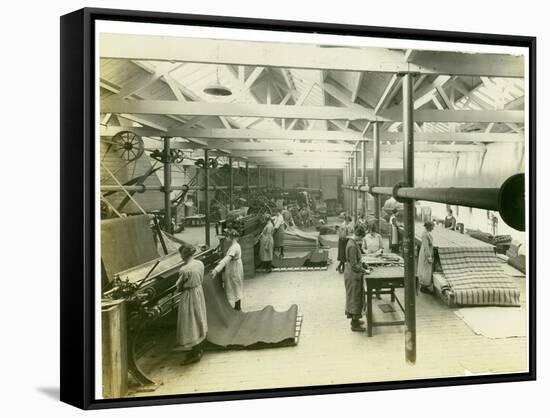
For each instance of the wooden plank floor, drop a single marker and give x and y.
(328, 352)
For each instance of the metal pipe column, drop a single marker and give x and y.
(348, 209)
(364, 173)
(408, 236)
(247, 184)
(344, 190)
(376, 172)
(259, 177)
(355, 183)
(206, 203)
(352, 183)
(230, 183)
(167, 159)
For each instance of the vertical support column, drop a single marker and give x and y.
(355, 183)
(206, 202)
(408, 237)
(350, 208)
(346, 190)
(352, 192)
(259, 178)
(167, 160)
(376, 171)
(344, 183)
(247, 184)
(231, 185)
(364, 173)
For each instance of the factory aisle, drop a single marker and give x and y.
(328, 352)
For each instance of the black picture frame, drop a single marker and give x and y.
(77, 200)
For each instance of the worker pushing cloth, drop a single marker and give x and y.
(232, 267)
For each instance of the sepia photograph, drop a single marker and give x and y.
(288, 209)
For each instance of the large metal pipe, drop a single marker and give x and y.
(408, 214)
(167, 160)
(508, 199)
(231, 183)
(376, 171)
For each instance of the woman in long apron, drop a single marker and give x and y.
(353, 279)
(266, 244)
(425, 259)
(345, 230)
(232, 266)
(394, 234)
(279, 232)
(191, 324)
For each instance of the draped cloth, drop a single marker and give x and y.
(192, 325)
(353, 280)
(425, 260)
(232, 329)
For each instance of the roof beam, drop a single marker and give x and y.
(289, 55)
(315, 136)
(357, 86)
(167, 107)
(304, 152)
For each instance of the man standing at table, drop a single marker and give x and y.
(353, 279)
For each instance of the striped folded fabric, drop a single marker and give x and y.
(296, 238)
(476, 277)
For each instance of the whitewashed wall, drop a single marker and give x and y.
(500, 162)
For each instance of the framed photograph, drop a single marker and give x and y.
(255, 208)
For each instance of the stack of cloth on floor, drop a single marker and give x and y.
(474, 276)
(501, 242)
(516, 256)
(245, 225)
(296, 238)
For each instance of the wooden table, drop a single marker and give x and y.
(383, 280)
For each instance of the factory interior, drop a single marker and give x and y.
(359, 213)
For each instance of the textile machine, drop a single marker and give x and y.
(149, 291)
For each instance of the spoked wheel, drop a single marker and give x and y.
(127, 145)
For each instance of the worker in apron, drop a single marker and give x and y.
(394, 233)
(266, 244)
(279, 232)
(353, 280)
(233, 273)
(191, 324)
(426, 259)
(450, 220)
